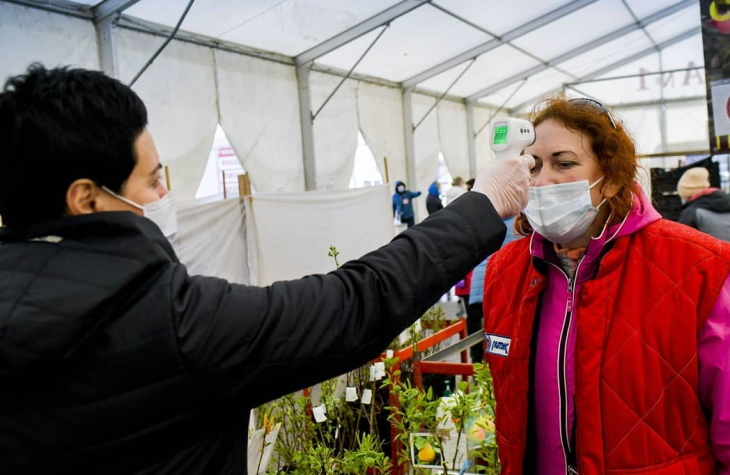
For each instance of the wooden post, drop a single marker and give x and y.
(385, 163)
(167, 178)
(244, 185)
(225, 192)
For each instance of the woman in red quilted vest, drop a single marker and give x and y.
(608, 330)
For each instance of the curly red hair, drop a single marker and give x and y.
(614, 149)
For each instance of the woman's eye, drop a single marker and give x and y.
(566, 164)
(536, 168)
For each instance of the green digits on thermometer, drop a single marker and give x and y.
(500, 134)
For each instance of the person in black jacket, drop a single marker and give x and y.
(112, 358)
(433, 200)
(704, 208)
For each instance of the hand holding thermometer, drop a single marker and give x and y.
(510, 136)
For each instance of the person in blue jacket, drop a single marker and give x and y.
(403, 204)
(475, 309)
(433, 200)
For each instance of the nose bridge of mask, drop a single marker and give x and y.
(164, 213)
(549, 196)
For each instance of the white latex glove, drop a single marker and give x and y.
(505, 183)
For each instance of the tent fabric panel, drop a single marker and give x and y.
(261, 119)
(543, 83)
(653, 87)
(643, 9)
(413, 43)
(29, 34)
(380, 117)
(490, 68)
(484, 153)
(685, 54)
(607, 54)
(335, 131)
(183, 114)
(289, 28)
(205, 16)
(629, 89)
(586, 25)
(499, 17)
(452, 138)
(675, 24)
(427, 148)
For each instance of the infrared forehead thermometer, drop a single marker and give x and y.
(510, 136)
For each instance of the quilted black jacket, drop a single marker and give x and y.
(114, 360)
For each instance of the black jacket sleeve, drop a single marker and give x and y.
(688, 216)
(264, 342)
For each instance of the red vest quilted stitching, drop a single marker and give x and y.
(637, 376)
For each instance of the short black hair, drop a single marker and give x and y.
(57, 126)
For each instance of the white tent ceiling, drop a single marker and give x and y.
(546, 42)
(255, 67)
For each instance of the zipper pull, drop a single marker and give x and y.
(570, 295)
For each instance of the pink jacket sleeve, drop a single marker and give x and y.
(714, 360)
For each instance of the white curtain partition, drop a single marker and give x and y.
(295, 230)
(426, 143)
(259, 111)
(481, 142)
(380, 115)
(212, 239)
(29, 34)
(335, 131)
(179, 91)
(452, 137)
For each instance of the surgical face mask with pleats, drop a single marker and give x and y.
(162, 212)
(562, 213)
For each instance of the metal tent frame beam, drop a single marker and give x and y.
(382, 18)
(622, 62)
(582, 49)
(105, 17)
(110, 8)
(659, 102)
(58, 6)
(497, 41)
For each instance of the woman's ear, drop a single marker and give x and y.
(82, 197)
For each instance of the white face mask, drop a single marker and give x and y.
(162, 212)
(562, 213)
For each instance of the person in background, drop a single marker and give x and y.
(704, 208)
(475, 312)
(457, 189)
(461, 290)
(469, 184)
(113, 359)
(403, 203)
(433, 200)
(608, 328)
